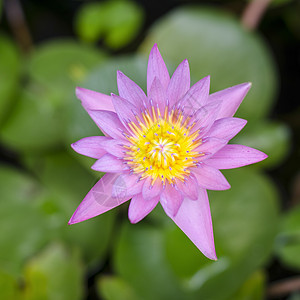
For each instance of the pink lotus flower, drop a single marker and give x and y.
(166, 147)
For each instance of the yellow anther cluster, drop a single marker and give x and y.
(162, 147)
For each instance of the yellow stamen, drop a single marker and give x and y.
(162, 148)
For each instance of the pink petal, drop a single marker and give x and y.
(109, 163)
(189, 187)
(158, 95)
(232, 98)
(226, 128)
(92, 100)
(194, 219)
(157, 68)
(97, 201)
(129, 90)
(210, 178)
(112, 146)
(140, 208)
(179, 83)
(196, 96)
(109, 123)
(150, 191)
(89, 146)
(206, 116)
(126, 186)
(125, 110)
(171, 200)
(209, 147)
(234, 156)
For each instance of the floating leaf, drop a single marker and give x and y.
(288, 239)
(103, 79)
(114, 288)
(118, 22)
(8, 286)
(9, 74)
(245, 223)
(24, 229)
(54, 274)
(38, 119)
(272, 138)
(216, 44)
(252, 289)
(67, 182)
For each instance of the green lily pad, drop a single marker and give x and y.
(114, 288)
(38, 119)
(272, 138)
(103, 79)
(24, 229)
(67, 182)
(117, 22)
(10, 63)
(62, 65)
(245, 224)
(252, 289)
(288, 239)
(35, 123)
(54, 274)
(8, 286)
(216, 44)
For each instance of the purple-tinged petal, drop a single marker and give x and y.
(226, 128)
(194, 219)
(209, 147)
(206, 116)
(171, 200)
(98, 200)
(235, 156)
(139, 208)
(129, 90)
(157, 68)
(109, 163)
(92, 100)
(179, 83)
(109, 123)
(125, 110)
(150, 191)
(158, 95)
(232, 98)
(89, 146)
(113, 147)
(196, 96)
(126, 186)
(189, 187)
(210, 178)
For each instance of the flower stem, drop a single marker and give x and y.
(17, 22)
(253, 13)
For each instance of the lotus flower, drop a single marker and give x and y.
(165, 147)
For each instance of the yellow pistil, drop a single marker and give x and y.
(162, 147)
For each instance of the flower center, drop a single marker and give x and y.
(162, 147)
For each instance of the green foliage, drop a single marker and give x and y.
(54, 274)
(10, 67)
(244, 242)
(288, 239)
(117, 22)
(216, 44)
(41, 257)
(252, 289)
(273, 138)
(111, 288)
(38, 118)
(103, 79)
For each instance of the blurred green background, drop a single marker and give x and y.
(47, 48)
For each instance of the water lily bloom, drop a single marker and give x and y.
(167, 147)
